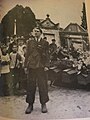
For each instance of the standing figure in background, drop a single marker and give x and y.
(45, 49)
(21, 52)
(36, 65)
(6, 82)
(20, 46)
(52, 50)
(15, 65)
(53, 46)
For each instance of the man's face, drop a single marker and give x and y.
(15, 48)
(37, 32)
(4, 50)
(20, 42)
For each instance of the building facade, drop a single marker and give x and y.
(50, 29)
(76, 35)
(72, 34)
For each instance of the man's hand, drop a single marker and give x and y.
(46, 69)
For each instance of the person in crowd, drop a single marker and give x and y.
(11, 39)
(45, 49)
(6, 83)
(45, 43)
(20, 46)
(35, 65)
(15, 66)
(21, 52)
(52, 50)
(74, 52)
(53, 46)
(13, 42)
(24, 54)
(62, 54)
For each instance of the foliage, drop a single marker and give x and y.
(83, 17)
(25, 20)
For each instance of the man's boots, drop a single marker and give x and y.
(43, 108)
(29, 109)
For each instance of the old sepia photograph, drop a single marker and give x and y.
(44, 60)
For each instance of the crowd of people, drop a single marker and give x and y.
(12, 58)
(12, 61)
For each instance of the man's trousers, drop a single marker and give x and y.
(37, 77)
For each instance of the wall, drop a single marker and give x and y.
(53, 34)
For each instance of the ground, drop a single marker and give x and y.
(64, 103)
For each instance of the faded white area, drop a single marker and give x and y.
(61, 11)
(64, 103)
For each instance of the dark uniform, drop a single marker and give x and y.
(52, 50)
(35, 61)
(52, 47)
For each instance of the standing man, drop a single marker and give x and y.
(15, 67)
(36, 64)
(52, 50)
(6, 82)
(53, 46)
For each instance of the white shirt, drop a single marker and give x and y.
(5, 68)
(13, 60)
(41, 37)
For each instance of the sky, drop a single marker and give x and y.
(60, 11)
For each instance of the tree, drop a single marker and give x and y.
(83, 17)
(25, 21)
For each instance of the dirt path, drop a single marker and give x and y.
(64, 103)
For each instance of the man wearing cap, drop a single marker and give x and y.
(35, 64)
(53, 46)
